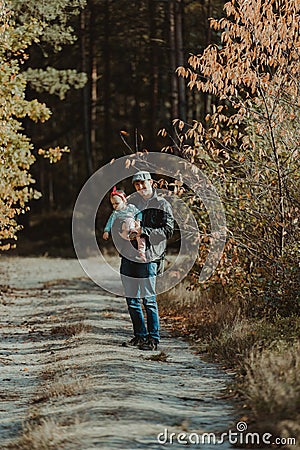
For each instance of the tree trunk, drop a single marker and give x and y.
(106, 78)
(173, 62)
(50, 189)
(86, 92)
(180, 61)
(136, 116)
(94, 81)
(154, 74)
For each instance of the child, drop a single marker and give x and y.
(126, 213)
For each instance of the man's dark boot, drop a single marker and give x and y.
(136, 341)
(149, 344)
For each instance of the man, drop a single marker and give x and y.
(139, 279)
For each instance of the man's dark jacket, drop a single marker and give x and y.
(157, 224)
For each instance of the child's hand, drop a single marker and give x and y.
(138, 227)
(105, 235)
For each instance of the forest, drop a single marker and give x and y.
(100, 68)
(86, 81)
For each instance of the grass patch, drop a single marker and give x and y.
(234, 344)
(46, 435)
(69, 330)
(161, 357)
(278, 371)
(61, 388)
(272, 387)
(264, 352)
(196, 313)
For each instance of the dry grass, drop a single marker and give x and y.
(235, 343)
(265, 353)
(196, 312)
(272, 387)
(71, 329)
(162, 357)
(46, 435)
(59, 384)
(272, 382)
(64, 387)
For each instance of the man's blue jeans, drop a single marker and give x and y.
(139, 280)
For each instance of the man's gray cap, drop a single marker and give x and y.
(141, 176)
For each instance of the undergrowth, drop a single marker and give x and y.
(264, 351)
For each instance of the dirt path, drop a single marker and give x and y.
(67, 383)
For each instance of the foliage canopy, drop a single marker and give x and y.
(250, 140)
(21, 25)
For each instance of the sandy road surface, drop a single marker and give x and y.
(67, 383)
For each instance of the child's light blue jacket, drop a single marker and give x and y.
(130, 211)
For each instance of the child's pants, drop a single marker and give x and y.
(141, 242)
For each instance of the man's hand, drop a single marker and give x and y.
(132, 235)
(138, 229)
(105, 235)
(136, 232)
